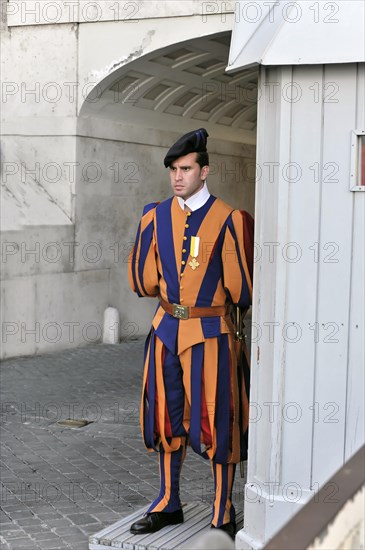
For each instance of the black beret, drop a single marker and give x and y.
(193, 142)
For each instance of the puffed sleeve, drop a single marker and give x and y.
(142, 263)
(237, 255)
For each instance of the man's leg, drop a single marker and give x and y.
(170, 467)
(170, 463)
(166, 508)
(207, 373)
(223, 511)
(168, 424)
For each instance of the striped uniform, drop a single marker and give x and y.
(192, 388)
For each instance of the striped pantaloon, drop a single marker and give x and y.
(193, 398)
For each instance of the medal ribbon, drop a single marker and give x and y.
(194, 246)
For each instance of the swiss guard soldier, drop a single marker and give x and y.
(191, 253)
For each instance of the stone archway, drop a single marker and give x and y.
(183, 83)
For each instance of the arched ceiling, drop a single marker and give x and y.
(185, 81)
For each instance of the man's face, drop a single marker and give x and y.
(186, 176)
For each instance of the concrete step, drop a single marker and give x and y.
(197, 521)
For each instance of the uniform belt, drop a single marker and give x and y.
(189, 312)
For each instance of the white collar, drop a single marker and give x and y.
(195, 201)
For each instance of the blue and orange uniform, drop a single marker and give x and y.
(193, 390)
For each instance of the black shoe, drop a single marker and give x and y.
(229, 528)
(154, 521)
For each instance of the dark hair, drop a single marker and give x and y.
(202, 158)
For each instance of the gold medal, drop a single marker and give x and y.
(194, 264)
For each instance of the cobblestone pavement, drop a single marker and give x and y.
(61, 484)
